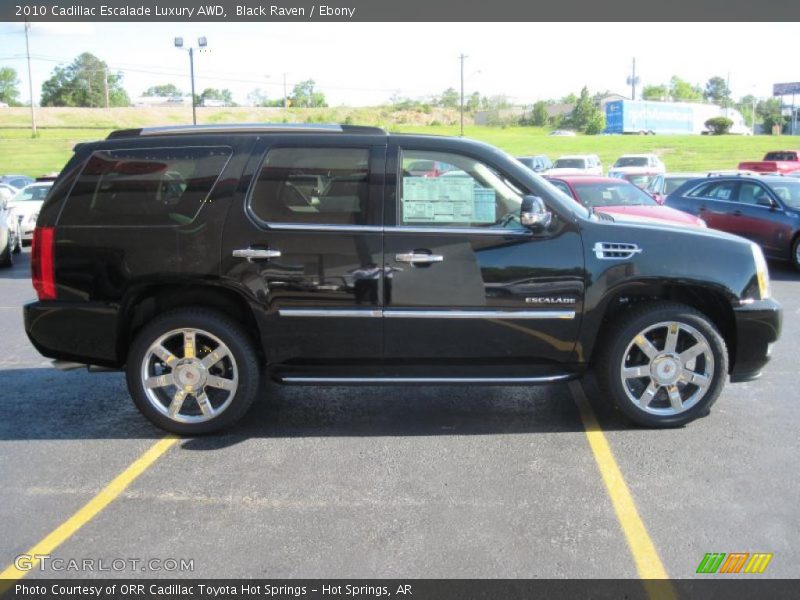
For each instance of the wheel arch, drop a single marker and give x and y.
(141, 306)
(711, 302)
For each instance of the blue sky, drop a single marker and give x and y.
(357, 64)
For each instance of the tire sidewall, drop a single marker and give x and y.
(637, 323)
(793, 257)
(227, 330)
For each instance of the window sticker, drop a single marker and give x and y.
(446, 200)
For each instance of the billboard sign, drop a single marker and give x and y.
(785, 89)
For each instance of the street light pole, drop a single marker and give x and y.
(30, 80)
(461, 58)
(191, 73)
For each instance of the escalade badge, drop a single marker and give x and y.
(551, 300)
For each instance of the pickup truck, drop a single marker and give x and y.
(780, 161)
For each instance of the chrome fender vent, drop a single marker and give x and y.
(615, 250)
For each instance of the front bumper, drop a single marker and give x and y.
(758, 326)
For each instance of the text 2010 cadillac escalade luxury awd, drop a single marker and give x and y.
(200, 258)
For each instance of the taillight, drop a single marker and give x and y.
(42, 264)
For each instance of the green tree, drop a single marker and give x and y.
(596, 123)
(83, 83)
(539, 114)
(683, 91)
(569, 99)
(305, 95)
(449, 99)
(225, 96)
(719, 125)
(473, 101)
(9, 91)
(655, 92)
(166, 90)
(717, 91)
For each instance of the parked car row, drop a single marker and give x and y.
(19, 209)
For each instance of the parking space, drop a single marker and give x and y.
(396, 482)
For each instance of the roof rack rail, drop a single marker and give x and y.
(247, 128)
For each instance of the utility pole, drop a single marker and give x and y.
(30, 80)
(633, 80)
(285, 97)
(461, 57)
(105, 84)
(191, 74)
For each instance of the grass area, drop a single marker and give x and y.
(62, 128)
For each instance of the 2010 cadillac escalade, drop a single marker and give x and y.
(201, 258)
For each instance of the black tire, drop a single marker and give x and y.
(618, 344)
(7, 255)
(18, 245)
(229, 332)
(795, 256)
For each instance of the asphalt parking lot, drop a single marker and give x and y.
(400, 482)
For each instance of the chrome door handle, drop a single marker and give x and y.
(258, 253)
(421, 259)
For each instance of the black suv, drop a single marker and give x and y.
(201, 258)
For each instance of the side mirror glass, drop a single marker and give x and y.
(534, 214)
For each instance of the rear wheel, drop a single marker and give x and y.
(193, 371)
(664, 365)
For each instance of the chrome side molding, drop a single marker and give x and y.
(426, 314)
(428, 380)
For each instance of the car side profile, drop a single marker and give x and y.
(764, 209)
(199, 259)
(537, 163)
(576, 164)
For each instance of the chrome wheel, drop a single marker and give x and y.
(667, 368)
(189, 375)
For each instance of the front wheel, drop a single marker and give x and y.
(193, 371)
(796, 253)
(664, 365)
(6, 255)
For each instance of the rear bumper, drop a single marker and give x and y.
(84, 333)
(758, 326)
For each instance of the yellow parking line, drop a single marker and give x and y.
(90, 510)
(645, 555)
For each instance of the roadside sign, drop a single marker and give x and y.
(784, 89)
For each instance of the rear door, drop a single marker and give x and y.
(304, 243)
(463, 279)
(715, 202)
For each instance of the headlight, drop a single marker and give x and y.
(762, 272)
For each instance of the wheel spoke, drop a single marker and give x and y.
(645, 346)
(214, 357)
(160, 381)
(220, 382)
(189, 341)
(177, 403)
(647, 396)
(636, 372)
(698, 379)
(164, 355)
(675, 398)
(205, 404)
(672, 338)
(693, 352)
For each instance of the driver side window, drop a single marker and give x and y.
(439, 189)
(328, 186)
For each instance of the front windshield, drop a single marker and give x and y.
(631, 161)
(788, 192)
(34, 192)
(612, 194)
(570, 163)
(673, 183)
(639, 180)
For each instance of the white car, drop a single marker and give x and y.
(26, 204)
(576, 164)
(637, 164)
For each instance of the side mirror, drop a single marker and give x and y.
(534, 214)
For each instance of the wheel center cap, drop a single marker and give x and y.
(665, 369)
(190, 374)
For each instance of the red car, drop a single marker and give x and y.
(619, 197)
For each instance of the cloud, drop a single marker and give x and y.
(64, 28)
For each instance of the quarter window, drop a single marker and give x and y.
(456, 191)
(313, 185)
(140, 187)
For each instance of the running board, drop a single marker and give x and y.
(298, 380)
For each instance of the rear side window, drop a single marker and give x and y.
(328, 186)
(716, 190)
(144, 187)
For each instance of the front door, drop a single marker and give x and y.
(464, 279)
(305, 246)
